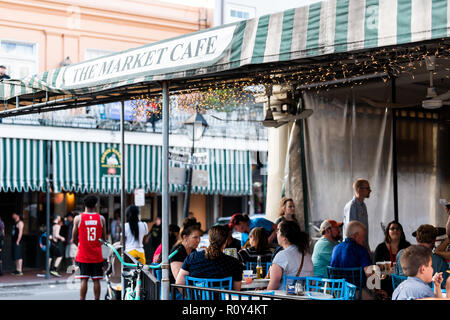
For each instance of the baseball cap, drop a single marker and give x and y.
(427, 233)
(328, 224)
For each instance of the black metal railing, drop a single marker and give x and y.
(201, 293)
(151, 287)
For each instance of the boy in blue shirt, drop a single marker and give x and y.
(416, 263)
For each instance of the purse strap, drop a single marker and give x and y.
(301, 265)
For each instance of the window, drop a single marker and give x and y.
(96, 53)
(20, 59)
(235, 13)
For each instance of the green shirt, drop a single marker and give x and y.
(321, 256)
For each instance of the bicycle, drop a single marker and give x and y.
(134, 291)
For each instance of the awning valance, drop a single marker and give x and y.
(95, 167)
(22, 165)
(322, 28)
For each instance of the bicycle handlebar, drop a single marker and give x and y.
(109, 245)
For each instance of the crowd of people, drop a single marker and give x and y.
(283, 245)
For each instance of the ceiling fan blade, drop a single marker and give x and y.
(382, 104)
(302, 115)
(443, 96)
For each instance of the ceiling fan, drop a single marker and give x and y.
(434, 101)
(270, 122)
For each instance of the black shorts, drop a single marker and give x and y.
(90, 270)
(16, 251)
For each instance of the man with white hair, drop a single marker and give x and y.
(351, 253)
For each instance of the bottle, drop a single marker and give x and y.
(259, 268)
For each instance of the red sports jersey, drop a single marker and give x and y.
(89, 231)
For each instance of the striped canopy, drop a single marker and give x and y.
(77, 167)
(322, 28)
(22, 165)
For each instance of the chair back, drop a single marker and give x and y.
(290, 281)
(350, 291)
(397, 279)
(192, 294)
(252, 266)
(351, 275)
(337, 288)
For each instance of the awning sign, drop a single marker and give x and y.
(110, 163)
(200, 48)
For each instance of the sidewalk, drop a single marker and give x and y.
(31, 278)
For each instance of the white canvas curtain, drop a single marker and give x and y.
(344, 141)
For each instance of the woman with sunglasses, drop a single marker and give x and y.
(394, 241)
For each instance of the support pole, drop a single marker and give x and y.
(47, 217)
(122, 188)
(165, 284)
(187, 197)
(394, 150)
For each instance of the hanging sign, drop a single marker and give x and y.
(110, 163)
(194, 51)
(139, 197)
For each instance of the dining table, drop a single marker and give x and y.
(255, 284)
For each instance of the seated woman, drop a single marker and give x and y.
(294, 259)
(259, 246)
(212, 262)
(394, 241)
(190, 234)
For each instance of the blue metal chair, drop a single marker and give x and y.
(337, 288)
(192, 294)
(291, 280)
(351, 275)
(252, 266)
(350, 291)
(397, 279)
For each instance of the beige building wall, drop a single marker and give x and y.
(62, 28)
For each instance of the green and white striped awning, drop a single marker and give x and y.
(77, 167)
(322, 28)
(22, 165)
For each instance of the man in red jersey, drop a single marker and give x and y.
(88, 227)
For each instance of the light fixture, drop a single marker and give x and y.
(196, 126)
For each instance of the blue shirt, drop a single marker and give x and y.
(257, 223)
(412, 288)
(437, 262)
(349, 254)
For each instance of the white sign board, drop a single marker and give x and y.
(200, 178)
(139, 197)
(177, 175)
(198, 49)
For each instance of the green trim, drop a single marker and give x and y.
(261, 39)
(371, 22)
(286, 35)
(439, 19)
(404, 10)
(313, 33)
(341, 28)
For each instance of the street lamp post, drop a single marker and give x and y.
(196, 126)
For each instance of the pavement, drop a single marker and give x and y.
(32, 277)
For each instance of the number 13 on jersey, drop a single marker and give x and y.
(91, 234)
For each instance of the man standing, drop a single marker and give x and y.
(356, 208)
(16, 241)
(321, 257)
(3, 74)
(88, 227)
